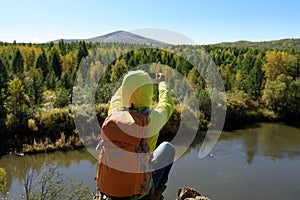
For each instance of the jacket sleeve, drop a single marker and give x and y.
(116, 101)
(160, 114)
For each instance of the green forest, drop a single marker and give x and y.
(275, 44)
(36, 84)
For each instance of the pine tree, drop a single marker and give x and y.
(42, 63)
(62, 47)
(82, 52)
(3, 80)
(65, 81)
(256, 77)
(18, 63)
(34, 85)
(118, 70)
(55, 63)
(50, 80)
(3, 88)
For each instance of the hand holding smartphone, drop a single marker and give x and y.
(157, 77)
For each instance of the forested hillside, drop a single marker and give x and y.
(36, 82)
(275, 44)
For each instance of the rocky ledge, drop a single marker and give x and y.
(190, 194)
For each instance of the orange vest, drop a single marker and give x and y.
(124, 163)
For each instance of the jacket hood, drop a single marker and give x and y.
(137, 89)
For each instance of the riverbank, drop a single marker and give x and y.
(62, 144)
(52, 130)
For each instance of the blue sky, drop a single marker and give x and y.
(204, 21)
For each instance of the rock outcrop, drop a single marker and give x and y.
(190, 194)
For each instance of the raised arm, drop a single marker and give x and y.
(160, 113)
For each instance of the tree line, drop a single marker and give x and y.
(275, 44)
(36, 83)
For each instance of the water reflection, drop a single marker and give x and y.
(274, 141)
(17, 167)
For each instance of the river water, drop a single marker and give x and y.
(261, 162)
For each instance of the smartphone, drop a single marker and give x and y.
(152, 75)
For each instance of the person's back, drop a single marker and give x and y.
(135, 95)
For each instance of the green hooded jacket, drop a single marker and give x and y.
(137, 91)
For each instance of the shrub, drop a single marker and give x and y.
(51, 123)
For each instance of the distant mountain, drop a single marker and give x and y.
(274, 44)
(118, 36)
(128, 37)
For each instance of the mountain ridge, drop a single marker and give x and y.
(286, 43)
(119, 37)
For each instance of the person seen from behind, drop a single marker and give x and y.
(136, 96)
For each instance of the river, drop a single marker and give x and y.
(260, 162)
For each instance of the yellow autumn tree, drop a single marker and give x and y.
(276, 63)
